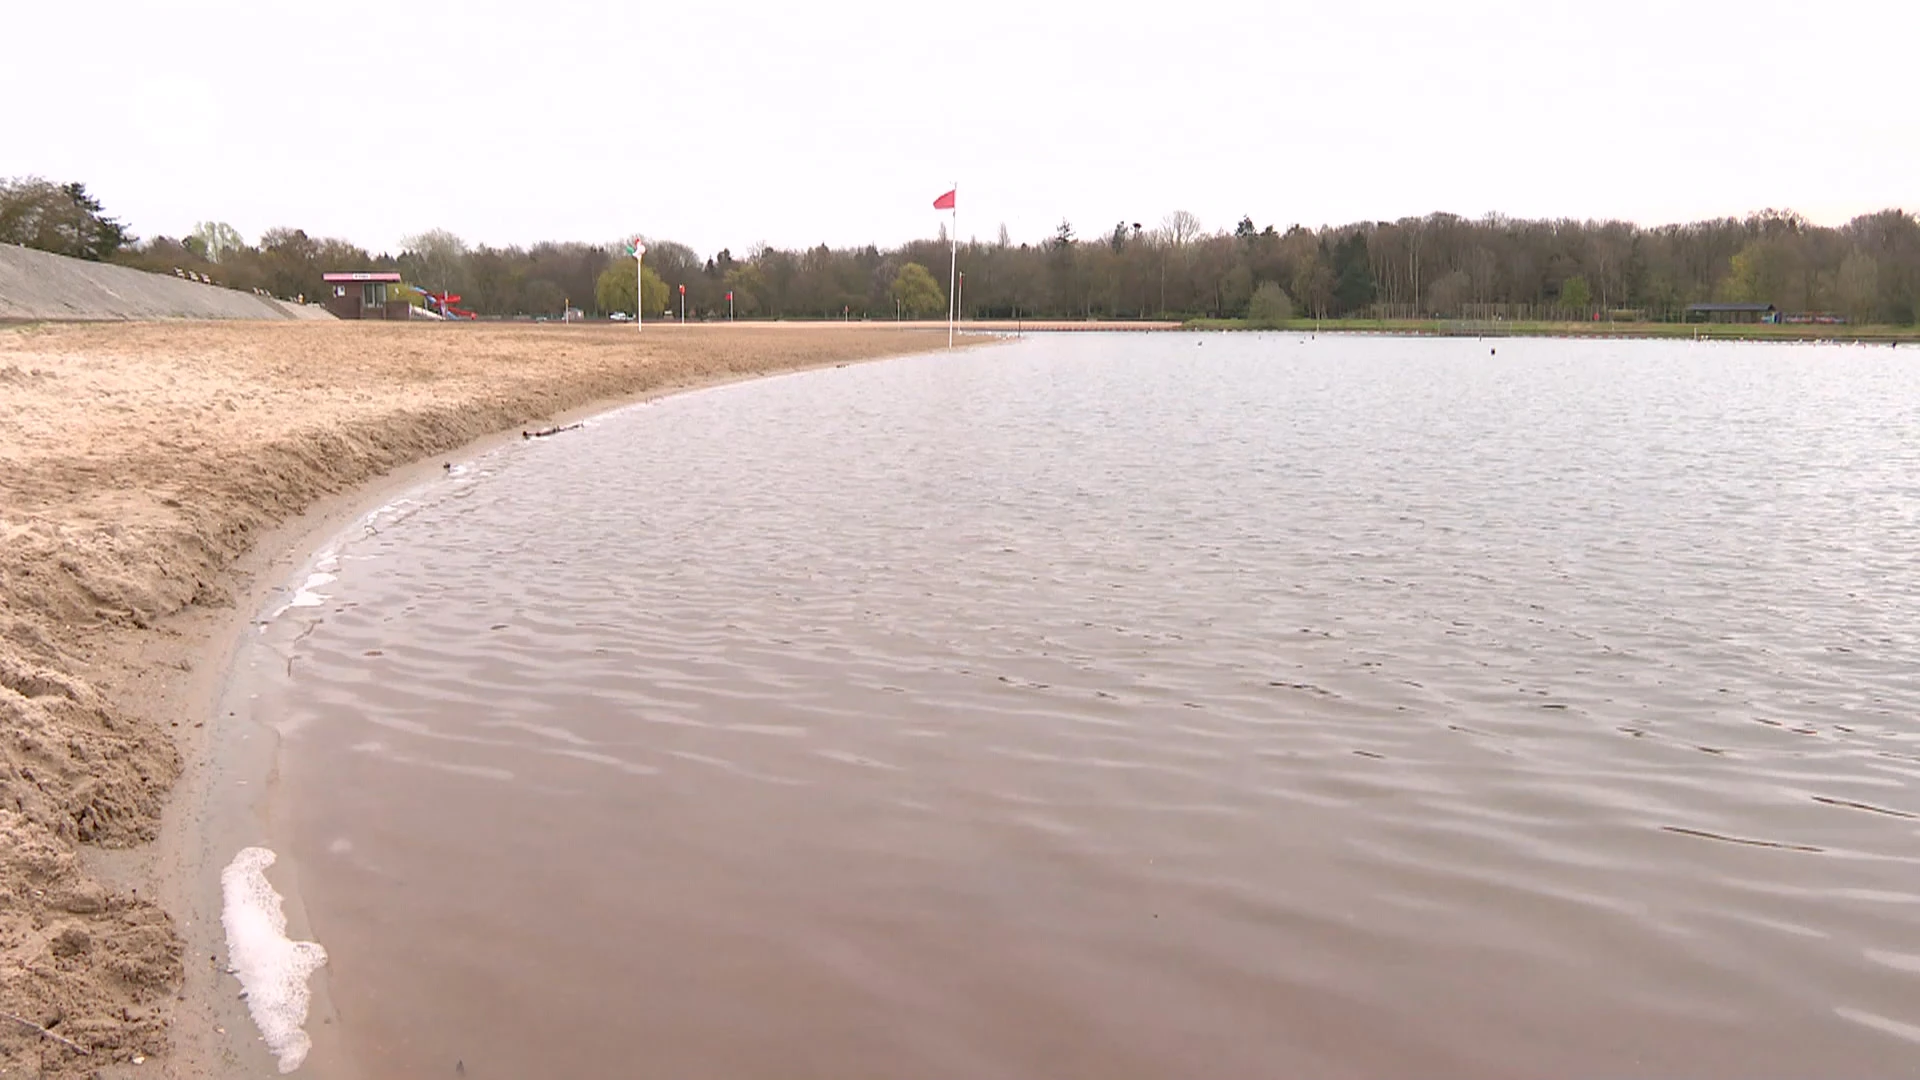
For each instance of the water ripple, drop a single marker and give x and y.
(1110, 706)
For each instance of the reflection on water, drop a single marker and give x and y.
(1140, 707)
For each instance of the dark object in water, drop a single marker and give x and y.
(546, 432)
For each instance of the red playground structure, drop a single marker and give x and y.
(441, 304)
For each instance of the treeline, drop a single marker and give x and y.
(288, 263)
(1446, 266)
(1438, 266)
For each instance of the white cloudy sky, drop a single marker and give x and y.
(729, 124)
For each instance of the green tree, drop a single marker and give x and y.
(288, 263)
(749, 288)
(1742, 282)
(1576, 296)
(653, 291)
(1270, 307)
(614, 291)
(61, 218)
(1765, 271)
(1353, 286)
(212, 239)
(916, 290)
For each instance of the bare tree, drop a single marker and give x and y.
(1857, 286)
(436, 258)
(1448, 293)
(1181, 228)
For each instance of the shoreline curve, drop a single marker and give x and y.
(154, 479)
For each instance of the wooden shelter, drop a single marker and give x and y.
(364, 294)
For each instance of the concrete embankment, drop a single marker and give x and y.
(35, 285)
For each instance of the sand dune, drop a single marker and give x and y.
(137, 463)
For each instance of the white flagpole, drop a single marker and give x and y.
(639, 280)
(953, 262)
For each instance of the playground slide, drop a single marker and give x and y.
(441, 304)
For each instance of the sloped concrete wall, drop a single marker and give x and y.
(37, 285)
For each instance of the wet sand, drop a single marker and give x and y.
(147, 473)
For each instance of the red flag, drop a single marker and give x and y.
(945, 202)
(683, 290)
(729, 296)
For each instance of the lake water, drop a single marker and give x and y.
(1118, 706)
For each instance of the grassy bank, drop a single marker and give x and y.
(1679, 331)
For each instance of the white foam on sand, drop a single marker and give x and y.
(306, 595)
(273, 970)
(392, 513)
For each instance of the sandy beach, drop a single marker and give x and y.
(140, 465)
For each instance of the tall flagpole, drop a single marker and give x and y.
(953, 262)
(639, 284)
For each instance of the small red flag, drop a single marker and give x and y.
(683, 290)
(945, 202)
(729, 296)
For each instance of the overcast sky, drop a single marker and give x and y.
(795, 124)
